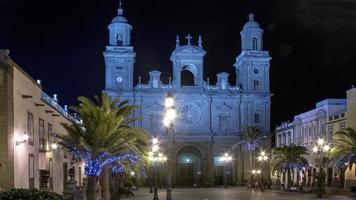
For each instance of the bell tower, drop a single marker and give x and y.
(252, 65)
(188, 58)
(119, 55)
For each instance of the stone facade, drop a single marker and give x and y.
(328, 117)
(27, 110)
(211, 117)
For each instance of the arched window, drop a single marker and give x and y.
(254, 44)
(120, 40)
(187, 76)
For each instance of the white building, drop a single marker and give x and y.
(323, 121)
(28, 120)
(284, 134)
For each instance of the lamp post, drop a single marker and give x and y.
(262, 158)
(253, 173)
(169, 118)
(155, 157)
(321, 149)
(226, 158)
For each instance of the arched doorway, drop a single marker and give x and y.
(220, 169)
(189, 167)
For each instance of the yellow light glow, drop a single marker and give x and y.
(169, 101)
(166, 122)
(155, 148)
(171, 114)
(315, 149)
(24, 136)
(154, 141)
(54, 146)
(321, 141)
(326, 148)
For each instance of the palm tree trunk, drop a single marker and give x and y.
(116, 192)
(91, 188)
(105, 184)
(251, 160)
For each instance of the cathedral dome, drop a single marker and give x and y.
(119, 19)
(251, 23)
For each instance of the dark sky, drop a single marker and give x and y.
(312, 42)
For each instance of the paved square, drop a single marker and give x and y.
(228, 194)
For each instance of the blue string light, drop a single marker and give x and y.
(94, 164)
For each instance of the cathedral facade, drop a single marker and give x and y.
(210, 117)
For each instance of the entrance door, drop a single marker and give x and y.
(189, 167)
(186, 174)
(218, 175)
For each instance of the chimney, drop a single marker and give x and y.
(4, 53)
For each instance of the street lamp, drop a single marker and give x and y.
(321, 149)
(169, 118)
(253, 173)
(155, 157)
(262, 158)
(226, 158)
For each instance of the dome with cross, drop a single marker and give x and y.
(251, 22)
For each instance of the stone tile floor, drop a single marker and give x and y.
(233, 193)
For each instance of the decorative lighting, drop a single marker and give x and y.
(169, 101)
(54, 146)
(132, 173)
(321, 141)
(24, 138)
(315, 149)
(171, 113)
(155, 148)
(154, 141)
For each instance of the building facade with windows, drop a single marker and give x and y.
(328, 117)
(29, 157)
(284, 134)
(211, 116)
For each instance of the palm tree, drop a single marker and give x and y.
(103, 136)
(286, 158)
(344, 150)
(252, 137)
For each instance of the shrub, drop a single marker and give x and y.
(29, 194)
(128, 184)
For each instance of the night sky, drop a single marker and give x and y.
(312, 42)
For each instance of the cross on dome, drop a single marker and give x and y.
(189, 38)
(120, 11)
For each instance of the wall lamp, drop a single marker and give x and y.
(24, 138)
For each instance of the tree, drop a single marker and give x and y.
(286, 158)
(344, 150)
(252, 137)
(103, 136)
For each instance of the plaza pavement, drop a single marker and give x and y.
(233, 193)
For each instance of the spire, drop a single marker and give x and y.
(189, 38)
(177, 42)
(251, 17)
(120, 11)
(200, 42)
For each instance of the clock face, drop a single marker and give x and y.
(119, 79)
